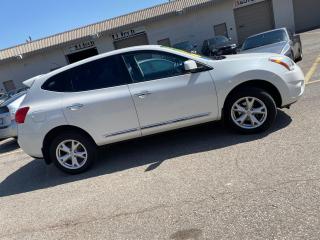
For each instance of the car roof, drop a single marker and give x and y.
(117, 52)
(273, 30)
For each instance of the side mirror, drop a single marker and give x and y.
(190, 66)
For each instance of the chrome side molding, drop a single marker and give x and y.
(176, 120)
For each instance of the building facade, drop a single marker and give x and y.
(166, 24)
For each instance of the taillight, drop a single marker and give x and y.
(21, 115)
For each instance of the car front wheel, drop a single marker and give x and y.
(72, 152)
(250, 110)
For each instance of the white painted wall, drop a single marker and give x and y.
(195, 26)
(104, 44)
(284, 14)
(19, 70)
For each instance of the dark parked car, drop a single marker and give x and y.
(186, 46)
(219, 45)
(280, 41)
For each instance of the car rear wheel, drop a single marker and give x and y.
(72, 152)
(250, 110)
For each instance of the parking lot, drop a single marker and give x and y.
(199, 183)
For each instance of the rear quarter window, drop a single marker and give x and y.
(58, 83)
(101, 73)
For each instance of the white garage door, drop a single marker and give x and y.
(254, 19)
(137, 40)
(306, 14)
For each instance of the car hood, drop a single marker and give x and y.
(271, 48)
(243, 57)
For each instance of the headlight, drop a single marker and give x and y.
(233, 45)
(283, 61)
(286, 50)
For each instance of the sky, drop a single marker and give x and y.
(20, 19)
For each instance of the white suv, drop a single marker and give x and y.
(144, 90)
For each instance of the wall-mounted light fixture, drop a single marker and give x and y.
(20, 56)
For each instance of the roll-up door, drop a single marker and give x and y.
(254, 19)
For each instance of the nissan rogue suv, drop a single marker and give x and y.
(139, 91)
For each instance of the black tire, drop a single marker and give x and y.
(259, 94)
(87, 143)
(300, 56)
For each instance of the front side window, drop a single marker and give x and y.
(152, 65)
(101, 73)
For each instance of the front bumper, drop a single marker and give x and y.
(295, 86)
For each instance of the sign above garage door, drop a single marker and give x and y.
(243, 3)
(127, 34)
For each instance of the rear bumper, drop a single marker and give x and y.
(30, 142)
(9, 131)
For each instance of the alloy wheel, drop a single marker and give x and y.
(71, 154)
(249, 113)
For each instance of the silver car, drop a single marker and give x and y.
(8, 126)
(280, 41)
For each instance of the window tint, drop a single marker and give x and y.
(101, 73)
(58, 83)
(151, 65)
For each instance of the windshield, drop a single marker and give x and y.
(265, 39)
(183, 46)
(218, 40)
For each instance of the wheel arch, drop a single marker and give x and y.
(262, 84)
(54, 132)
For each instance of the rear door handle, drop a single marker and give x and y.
(75, 107)
(143, 94)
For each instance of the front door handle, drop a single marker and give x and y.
(143, 94)
(75, 107)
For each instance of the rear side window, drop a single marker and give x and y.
(102, 73)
